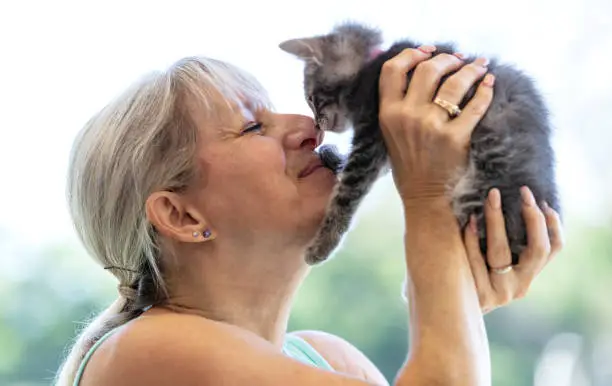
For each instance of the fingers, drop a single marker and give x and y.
(477, 263)
(496, 289)
(475, 109)
(427, 77)
(498, 250)
(539, 247)
(393, 80)
(538, 251)
(455, 88)
(555, 231)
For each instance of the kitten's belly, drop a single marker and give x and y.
(464, 187)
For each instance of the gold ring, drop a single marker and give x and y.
(502, 270)
(453, 110)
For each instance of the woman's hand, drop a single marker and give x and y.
(425, 144)
(501, 285)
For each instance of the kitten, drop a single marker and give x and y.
(510, 147)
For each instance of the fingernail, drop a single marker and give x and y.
(482, 62)
(459, 55)
(489, 80)
(545, 206)
(427, 49)
(495, 198)
(473, 224)
(527, 196)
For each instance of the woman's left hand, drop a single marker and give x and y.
(544, 241)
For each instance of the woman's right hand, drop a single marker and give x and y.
(426, 146)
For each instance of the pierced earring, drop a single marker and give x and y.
(206, 233)
(195, 234)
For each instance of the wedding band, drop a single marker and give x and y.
(502, 270)
(453, 110)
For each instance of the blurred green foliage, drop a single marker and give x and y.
(46, 294)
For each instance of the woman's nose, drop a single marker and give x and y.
(302, 132)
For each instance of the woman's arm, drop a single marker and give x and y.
(447, 334)
(426, 147)
(494, 289)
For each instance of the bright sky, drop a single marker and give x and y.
(63, 60)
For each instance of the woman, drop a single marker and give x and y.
(201, 201)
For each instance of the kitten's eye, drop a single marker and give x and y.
(252, 127)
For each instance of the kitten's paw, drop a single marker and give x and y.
(315, 255)
(331, 158)
(322, 247)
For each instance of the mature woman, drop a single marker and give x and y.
(201, 201)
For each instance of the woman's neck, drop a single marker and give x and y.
(254, 292)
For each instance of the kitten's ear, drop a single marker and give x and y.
(304, 48)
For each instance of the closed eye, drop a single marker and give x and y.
(252, 127)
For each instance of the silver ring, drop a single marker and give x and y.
(502, 270)
(451, 109)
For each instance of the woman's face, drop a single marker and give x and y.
(260, 180)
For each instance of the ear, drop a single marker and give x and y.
(308, 49)
(174, 217)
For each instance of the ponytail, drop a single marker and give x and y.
(114, 316)
(131, 303)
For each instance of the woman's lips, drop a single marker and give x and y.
(311, 168)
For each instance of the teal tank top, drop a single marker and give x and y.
(294, 347)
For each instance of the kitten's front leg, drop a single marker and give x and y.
(362, 169)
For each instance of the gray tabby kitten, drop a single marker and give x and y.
(510, 147)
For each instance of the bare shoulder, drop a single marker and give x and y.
(148, 349)
(175, 349)
(342, 355)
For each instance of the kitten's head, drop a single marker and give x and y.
(330, 62)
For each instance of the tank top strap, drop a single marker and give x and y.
(79, 374)
(297, 348)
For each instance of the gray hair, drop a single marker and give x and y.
(143, 141)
